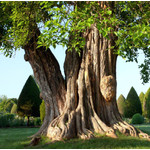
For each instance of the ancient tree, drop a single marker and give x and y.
(95, 33)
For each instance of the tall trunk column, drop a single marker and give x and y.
(50, 80)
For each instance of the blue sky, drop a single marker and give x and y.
(15, 71)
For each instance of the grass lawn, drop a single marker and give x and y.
(17, 138)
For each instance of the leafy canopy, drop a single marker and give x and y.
(66, 24)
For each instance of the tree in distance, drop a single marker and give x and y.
(94, 33)
(6, 104)
(141, 97)
(146, 112)
(10, 103)
(29, 100)
(14, 109)
(121, 105)
(42, 111)
(133, 104)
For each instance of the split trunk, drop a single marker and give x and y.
(85, 101)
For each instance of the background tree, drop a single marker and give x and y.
(141, 97)
(42, 111)
(4, 105)
(29, 100)
(9, 104)
(147, 104)
(14, 109)
(133, 104)
(121, 105)
(95, 33)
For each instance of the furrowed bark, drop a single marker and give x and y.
(49, 78)
(85, 102)
(93, 107)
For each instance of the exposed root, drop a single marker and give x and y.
(111, 134)
(86, 134)
(73, 124)
(130, 130)
(63, 127)
(144, 135)
(35, 141)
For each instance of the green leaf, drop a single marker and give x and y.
(109, 12)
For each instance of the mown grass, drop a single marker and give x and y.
(18, 138)
(15, 137)
(144, 128)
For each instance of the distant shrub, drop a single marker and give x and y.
(6, 119)
(42, 111)
(146, 120)
(3, 121)
(12, 120)
(137, 119)
(37, 121)
(128, 120)
(14, 109)
(17, 122)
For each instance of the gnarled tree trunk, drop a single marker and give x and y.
(85, 102)
(91, 93)
(49, 78)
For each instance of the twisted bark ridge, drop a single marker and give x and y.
(91, 94)
(49, 78)
(85, 101)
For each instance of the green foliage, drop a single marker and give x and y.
(137, 119)
(6, 119)
(133, 104)
(5, 25)
(147, 104)
(8, 106)
(17, 122)
(29, 101)
(5, 104)
(66, 24)
(13, 100)
(42, 111)
(121, 104)
(12, 120)
(141, 97)
(37, 121)
(14, 109)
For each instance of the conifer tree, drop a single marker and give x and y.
(141, 97)
(121, 104)
(147, 104)
(29, 100)
(42, 111)
(133, 104)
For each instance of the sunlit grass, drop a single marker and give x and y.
(18, 138)
(15, 137)
(144, 128)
